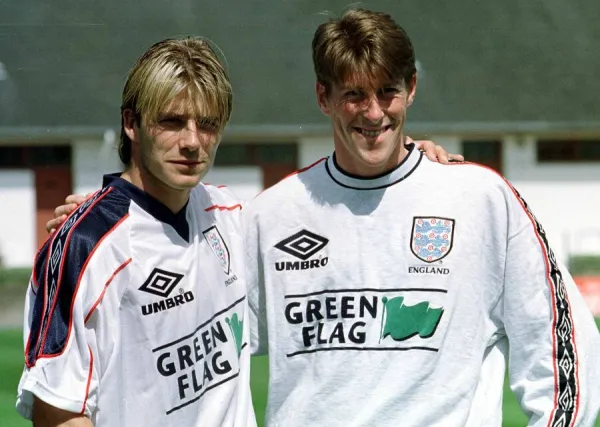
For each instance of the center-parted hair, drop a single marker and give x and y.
(362, 46)
(167, 69)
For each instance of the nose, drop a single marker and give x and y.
(373, 111)
(190, 136)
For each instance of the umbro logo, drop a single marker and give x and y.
(302, 245)
(161, 283)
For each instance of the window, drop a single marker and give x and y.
(22, 157)
(568, 151)
(256, 154)
(487, 153)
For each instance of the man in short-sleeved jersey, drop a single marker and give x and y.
(136, 310)
(386, 287)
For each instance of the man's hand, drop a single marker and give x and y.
(45, 415)
(61, 212)
(435, 153)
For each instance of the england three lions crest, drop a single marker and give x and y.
(431, 238)
(218, 246)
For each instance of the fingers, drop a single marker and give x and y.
(77, 199)
(64, 210)
(442, 154)
(54, 223)
(437, 153)
(429, 148)
(456, 157)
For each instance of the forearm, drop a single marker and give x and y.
(45, 415)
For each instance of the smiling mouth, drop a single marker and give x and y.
(372, 133)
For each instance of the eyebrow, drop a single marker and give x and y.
(381, 86)
(182, 116)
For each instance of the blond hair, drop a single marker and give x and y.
(362, 47)
(167, 69)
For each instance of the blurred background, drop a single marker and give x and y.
(512, 85)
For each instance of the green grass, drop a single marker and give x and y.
(11, 360)
(11, 366)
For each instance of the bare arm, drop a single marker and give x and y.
(45, 415)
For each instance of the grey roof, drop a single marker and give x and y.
(481, 61)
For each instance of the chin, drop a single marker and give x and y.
(374, 157)
(184, 182)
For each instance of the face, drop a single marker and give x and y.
(178, 150)
(367, 125)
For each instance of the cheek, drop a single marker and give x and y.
(346, 113)
(210, 144)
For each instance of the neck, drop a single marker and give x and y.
(367, 164)
(172, 198)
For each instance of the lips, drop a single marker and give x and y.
(185, 162)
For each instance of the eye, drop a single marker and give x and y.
(391, 90)
(209, 124)
(171, 122)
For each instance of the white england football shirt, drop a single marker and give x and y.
(137, 316)
(389, 301)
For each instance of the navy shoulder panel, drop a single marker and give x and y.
(59, 265)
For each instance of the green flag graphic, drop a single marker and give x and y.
(237, 328)
(402, 321)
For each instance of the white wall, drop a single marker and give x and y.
(520, 163)
(244, 181)
(312, 149)
(17, 217)
(91, 160)
(564, 197)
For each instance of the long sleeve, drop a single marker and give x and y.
(59, 348)
(554, 359)
(256, 284)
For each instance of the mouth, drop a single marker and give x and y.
(372, 133)
(188, 163)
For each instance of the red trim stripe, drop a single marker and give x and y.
(89, 381)
(298, 172)
(62, 263)
(83, 269)
(306, 168)
(214, 185)
(223, 208)
(117, 271)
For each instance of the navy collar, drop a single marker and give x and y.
(396, 175)
(151, 205)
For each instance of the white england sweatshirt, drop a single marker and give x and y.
(390, 301)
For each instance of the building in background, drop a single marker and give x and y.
(512, 85)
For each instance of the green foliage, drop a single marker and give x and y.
(14, 276)
(581, 265)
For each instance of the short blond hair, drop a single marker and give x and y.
(362, 46)
(164, 71)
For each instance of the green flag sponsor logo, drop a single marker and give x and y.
(401, 321)
(237, 328)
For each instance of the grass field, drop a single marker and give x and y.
(11, 360)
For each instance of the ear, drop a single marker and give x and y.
(130, 126)
(322, 98)
(413, 89)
